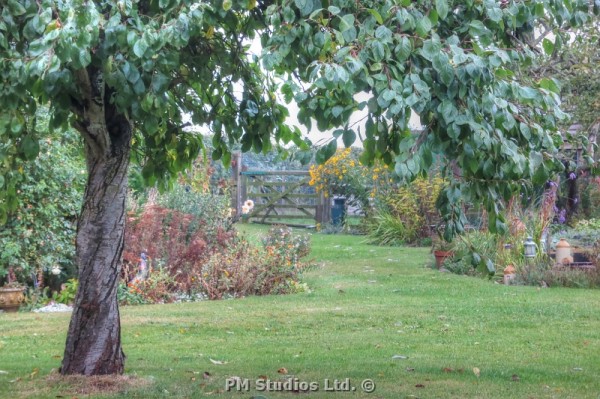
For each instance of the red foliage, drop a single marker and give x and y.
(174, 240)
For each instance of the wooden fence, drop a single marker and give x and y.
(279, 196)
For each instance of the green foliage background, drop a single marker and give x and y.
(40, 233)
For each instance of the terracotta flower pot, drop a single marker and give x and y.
(11, 298)
(441, 256)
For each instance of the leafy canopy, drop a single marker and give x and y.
(454, 64)
(162, 61)
(166, 64)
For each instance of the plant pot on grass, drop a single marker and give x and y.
(11, 297)
(442, 250)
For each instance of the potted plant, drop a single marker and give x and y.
(442, 250)
(11, 293)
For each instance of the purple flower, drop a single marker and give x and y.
(572, 176)
(562, 216)
(552, 183)
(576, 200)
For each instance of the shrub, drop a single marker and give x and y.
(158, 287)
(475, 253)
(406, 213)
(40, 234)
(67, 293)
(542, 272)
(242, 270)
(388, 229)
(283, 243)
(181, 242)
(127, 296)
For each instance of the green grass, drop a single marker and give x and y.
(367, 304)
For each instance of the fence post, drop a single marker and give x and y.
(323, 213)
(236, 192)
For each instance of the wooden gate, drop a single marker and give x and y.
(280, 197)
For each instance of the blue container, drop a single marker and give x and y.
(338, 212)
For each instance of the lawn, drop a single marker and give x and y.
(373, 313)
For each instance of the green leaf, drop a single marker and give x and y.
(1, 181)
(548, 46)
(423, 27)
(489, 264)
(383, 33)
(140, 47)
(540, 176)
(403, 49)
(337, 111)
(494, 14)
(528, 93)
(85, 57)
(477, 28)
(550, 85)
(442, 8)
(217, 154)
(15, 8)
(326, 152)
(375, 15)
(346, 22)
(378, 51)
(539, 10)
(30, 148)
(442, 65)
(431, 48)
(333, 10)
(349, 137)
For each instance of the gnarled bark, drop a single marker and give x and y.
(94, 338)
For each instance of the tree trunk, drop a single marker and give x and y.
(93, 344)
(94, 338)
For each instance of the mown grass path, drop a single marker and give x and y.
(373, 313)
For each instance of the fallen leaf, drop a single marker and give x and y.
(206, 375)
(263, 377)
(577, 369)
(447, 370)
(476, 371)
(282, 370)
(515, 377)
(397, 357)
(56, 357)
(3, 372)
(34, 373)
(193, 378)
(420, 386)
(213, 361)
(410, 369)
